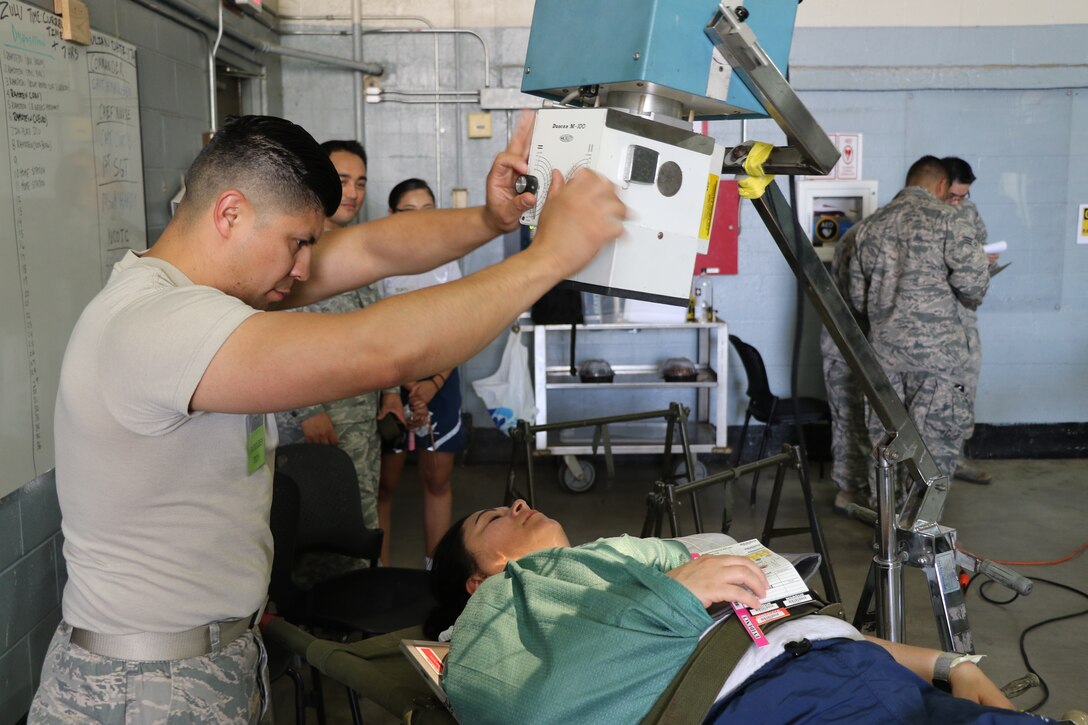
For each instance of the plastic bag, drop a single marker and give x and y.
(508, 393)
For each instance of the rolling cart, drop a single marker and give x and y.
(705, 431)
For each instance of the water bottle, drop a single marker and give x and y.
(424, 430)
(591, 308)
(703, 290)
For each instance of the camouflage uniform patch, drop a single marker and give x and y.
(850, 447)
(227, 688)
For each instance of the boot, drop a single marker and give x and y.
(968, 471)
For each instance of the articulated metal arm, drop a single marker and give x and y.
(814, 152)
(811, 151)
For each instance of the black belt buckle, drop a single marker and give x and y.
(798, 647)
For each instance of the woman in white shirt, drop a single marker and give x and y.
(433, 410)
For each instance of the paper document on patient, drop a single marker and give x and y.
(428, 658)
(782, 576)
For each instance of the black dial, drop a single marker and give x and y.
(526, 183)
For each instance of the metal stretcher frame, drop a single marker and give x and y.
(375, 668)
(661, 506)
(675, 417)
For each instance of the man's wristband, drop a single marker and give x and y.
(945, 663)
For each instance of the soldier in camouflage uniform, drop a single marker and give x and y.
(350, 423)
(915, 263)
(850, 448)
(962, 177)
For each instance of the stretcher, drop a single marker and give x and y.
(376, 668)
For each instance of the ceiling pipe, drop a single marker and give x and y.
(357, 76)
(213, 100)
(374, 69)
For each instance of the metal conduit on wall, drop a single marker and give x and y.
(437, 94)
(178, 11)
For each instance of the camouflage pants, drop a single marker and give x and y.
(971, 375)
(850, 447)
(362, 443)
(226, 687)
(940, 410)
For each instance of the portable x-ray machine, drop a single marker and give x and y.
(630, 78)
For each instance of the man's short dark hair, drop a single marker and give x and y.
(959, 171)
(925, 170)
(352, 147)
(268, 158)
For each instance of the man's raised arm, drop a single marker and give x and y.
(278, 360)
(413, 243)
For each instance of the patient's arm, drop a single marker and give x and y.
(967, 679)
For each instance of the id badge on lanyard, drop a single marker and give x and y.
(255, 442)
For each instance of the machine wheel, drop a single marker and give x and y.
(701, 471)
(576, 475)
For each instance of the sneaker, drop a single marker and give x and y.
(968, 472)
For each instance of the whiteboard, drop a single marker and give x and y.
(71, 203)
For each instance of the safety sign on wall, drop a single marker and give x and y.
(1082, 225)
(848, 167)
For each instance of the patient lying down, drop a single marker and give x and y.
(546, 632)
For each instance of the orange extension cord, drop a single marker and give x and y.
(1074, 555)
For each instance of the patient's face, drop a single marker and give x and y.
(495, 536)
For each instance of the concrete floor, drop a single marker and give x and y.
(1034, 511)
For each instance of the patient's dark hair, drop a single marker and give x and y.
(269, 158)
(451, 566)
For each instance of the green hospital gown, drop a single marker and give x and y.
(590, 634)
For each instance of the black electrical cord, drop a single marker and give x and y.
(1023, 635)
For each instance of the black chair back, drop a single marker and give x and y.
(284, 524)
(759, 388)
(330, 517)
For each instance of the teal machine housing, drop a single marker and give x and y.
(656, 48)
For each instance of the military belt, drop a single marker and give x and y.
(163, 647)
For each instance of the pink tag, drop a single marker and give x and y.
(750, 625)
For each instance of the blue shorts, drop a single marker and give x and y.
(844, 681)
(445, 407)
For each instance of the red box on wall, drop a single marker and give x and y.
(721, 257)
